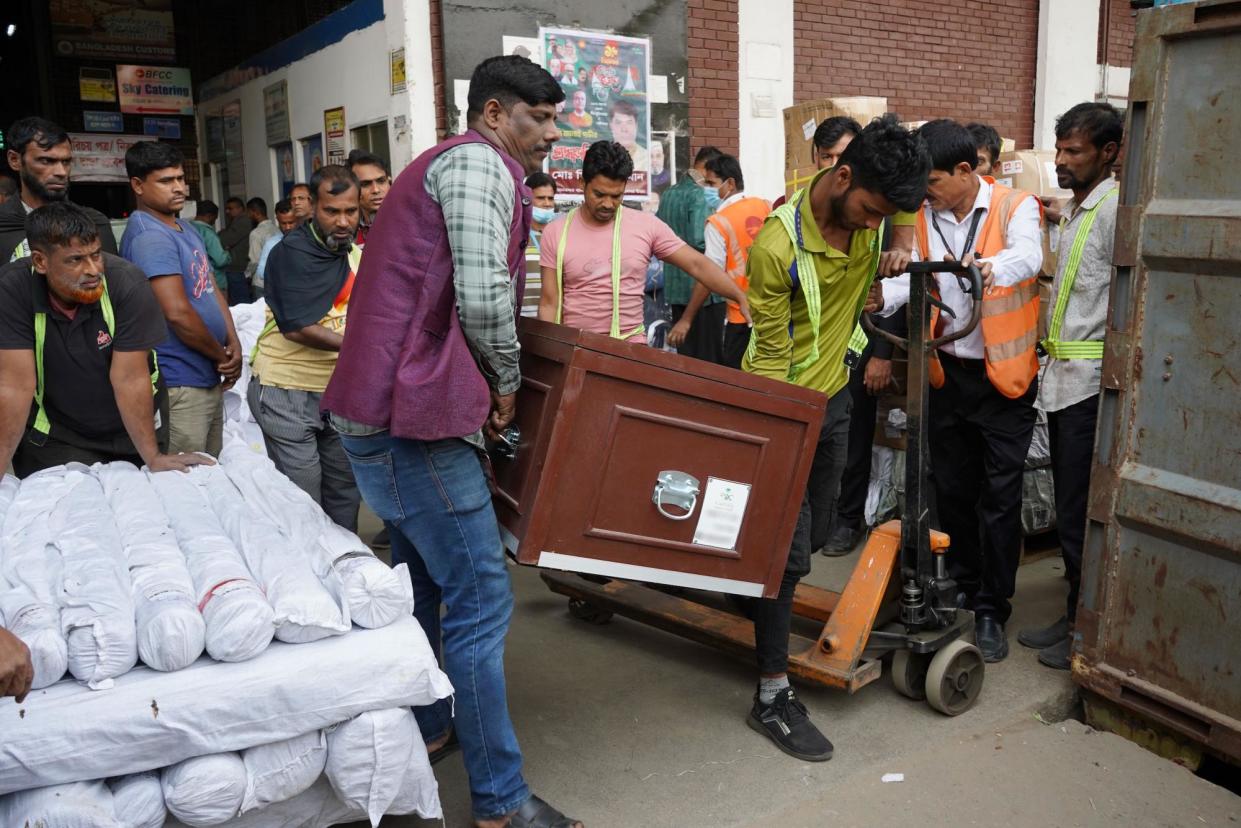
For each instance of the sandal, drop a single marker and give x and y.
(450, 746)
(535, 813)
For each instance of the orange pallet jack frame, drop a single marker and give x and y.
(899, 601)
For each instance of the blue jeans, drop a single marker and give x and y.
(434, 500)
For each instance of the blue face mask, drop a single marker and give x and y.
(712, 195)
(544, 215)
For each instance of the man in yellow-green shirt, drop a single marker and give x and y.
(810, 269)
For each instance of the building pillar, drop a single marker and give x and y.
(1068, 71)
(411, 117)
(765, 88)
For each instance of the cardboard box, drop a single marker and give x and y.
(802, 120)
(797, 178)
(1044, 305)
(1033, 171)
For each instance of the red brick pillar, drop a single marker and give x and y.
(711, 38)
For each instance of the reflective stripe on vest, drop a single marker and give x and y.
(42, 424)
(788, 215)
(1075, 349)
(738, 224)
(1009, 321)
(615, 332)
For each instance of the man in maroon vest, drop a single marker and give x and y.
(428, 364)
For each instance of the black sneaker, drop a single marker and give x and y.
(1041, 639)
(786, 722)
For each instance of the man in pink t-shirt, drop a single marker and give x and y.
(594, 278)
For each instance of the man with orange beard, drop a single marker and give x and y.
(77, 379)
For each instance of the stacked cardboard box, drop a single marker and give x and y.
(802, 120)
(1034, 171)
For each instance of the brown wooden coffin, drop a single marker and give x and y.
(601, 420)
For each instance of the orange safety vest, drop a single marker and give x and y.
(739, 223)
(1009, 314)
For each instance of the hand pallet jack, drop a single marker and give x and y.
(913, 618)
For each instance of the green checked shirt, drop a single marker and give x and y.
(475, 193)
(683, 207)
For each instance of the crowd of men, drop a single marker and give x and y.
(106, 356)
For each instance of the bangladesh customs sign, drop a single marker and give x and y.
(155, 90)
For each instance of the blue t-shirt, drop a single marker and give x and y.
(159, 250)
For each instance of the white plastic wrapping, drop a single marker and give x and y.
(8, 491)
(170, 629)
(282, 770)
(30, 574)
(368, 756)
(97, 608)
(138, 800)
(205, 790)
(375, 593)
(68, 734)
(240, 622)
(75, 805)
(304, 608)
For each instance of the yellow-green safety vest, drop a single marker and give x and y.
(1055, 347)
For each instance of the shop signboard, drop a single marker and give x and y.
(334, 130)
(100, 159)
(162, 128)
(396, 71)
(605, 80)
(155, 90)
(276, 112)
(102, 121)
(96, 85)
(113, 30)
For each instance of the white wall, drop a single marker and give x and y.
(765, 88)
(412, 124)
(1068, 70)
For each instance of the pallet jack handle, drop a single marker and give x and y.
(969, 277)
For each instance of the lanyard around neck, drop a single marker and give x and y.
(969, 240)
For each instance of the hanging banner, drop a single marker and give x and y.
(155, 90)
(113, 30)
(100, 159)
(96, 85)
(334, 130)
(276, 112)
(604, 78)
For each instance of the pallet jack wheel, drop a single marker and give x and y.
(909, 673)
(954, 678)
(588, 612)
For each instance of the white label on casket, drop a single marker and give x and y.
(723, 507)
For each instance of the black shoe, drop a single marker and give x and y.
(1058, 656)
(841, 542)
(1046, 637)
(786, 723)
(992, 641)
(381, 539)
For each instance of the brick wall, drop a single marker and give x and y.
(437, 66)
(915, 55)
(1116, 32)
(711, 85)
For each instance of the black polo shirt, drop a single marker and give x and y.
(77, 353)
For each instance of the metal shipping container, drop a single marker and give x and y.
(1159, 623)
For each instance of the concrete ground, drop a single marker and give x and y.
(624, 725)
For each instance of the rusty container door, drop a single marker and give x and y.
(1159, 620)
(640, 464)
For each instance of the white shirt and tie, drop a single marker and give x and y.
(1021, 259)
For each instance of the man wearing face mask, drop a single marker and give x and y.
(729, 233)
(428, 364)
(543, 196)
(309, 279)
(77, 326)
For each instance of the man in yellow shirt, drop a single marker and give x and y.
(309, 279)
(810, 268)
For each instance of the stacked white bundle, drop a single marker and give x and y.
(205, 790)
(30, 575)
(240, 622)
(73, 805)
(171, 632)
(138, 800)
(305, 608)
(96, 603)
(376, 594)
(368, 756)
(279, 771)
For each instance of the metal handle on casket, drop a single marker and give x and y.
(675, 488)
(964, 273)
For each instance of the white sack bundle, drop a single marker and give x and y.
(75, 805)
(282, 770)
(240, 621)
(170, 629)
(8, 492)
(138, 800)
(97, 607)
(205, 790)
(367, 758)
(38, 626)
(375, 593)
(305, 610)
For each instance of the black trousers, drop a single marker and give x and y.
(773, 617)
(736, 341)
(854, 483)
(30, 458)
(978, 444)
(705, 339)
(1072, 433)
(238, 288)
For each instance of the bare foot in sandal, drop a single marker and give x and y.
(535, 813)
